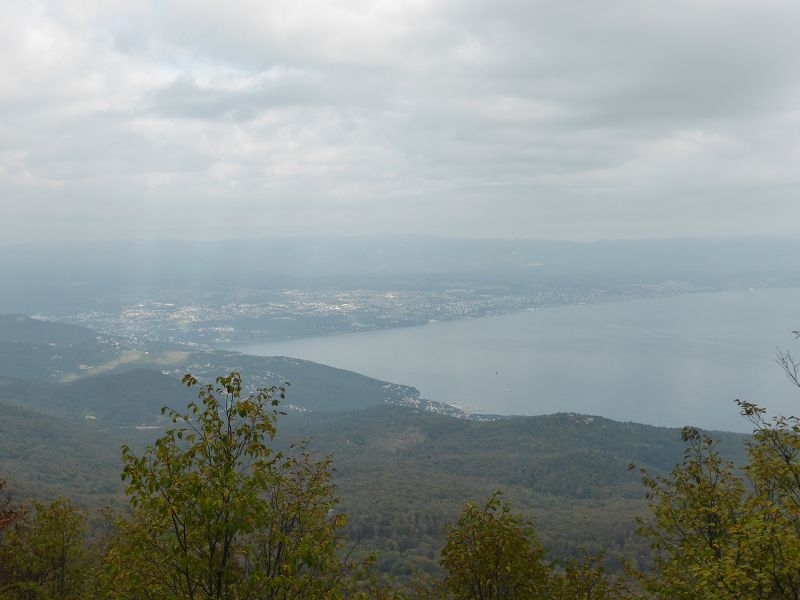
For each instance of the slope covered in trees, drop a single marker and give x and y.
(218, 510)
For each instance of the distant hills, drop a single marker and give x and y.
(21, 329)
(77, 373)
(65, 276)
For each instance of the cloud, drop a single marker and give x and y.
(476, 118)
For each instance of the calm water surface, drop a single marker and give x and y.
(666, 361)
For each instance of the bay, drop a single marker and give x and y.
(671, 361)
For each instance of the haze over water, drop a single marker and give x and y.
(668, 361)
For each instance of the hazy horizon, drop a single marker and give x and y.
(144, 239)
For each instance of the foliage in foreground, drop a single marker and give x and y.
(6, 514)
(721, 532)
(492, 553)
(44, 553)
(218, 514)
(728, 533)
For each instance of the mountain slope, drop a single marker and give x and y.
(404, 474)
(120, 383)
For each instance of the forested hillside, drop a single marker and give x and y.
(394, 470)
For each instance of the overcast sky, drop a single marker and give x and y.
(563, 119)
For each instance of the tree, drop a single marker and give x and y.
(720, 532)
(6, 514)
(217, 513)
(45, 555)
(492, 553)
(7, 517)
(586, 579)
(696, 530)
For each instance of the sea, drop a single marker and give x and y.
(668, 361)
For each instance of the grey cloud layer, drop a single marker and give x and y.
(575, 120)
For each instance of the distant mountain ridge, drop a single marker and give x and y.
(79, 373)
(26, 330)
(58, 276)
